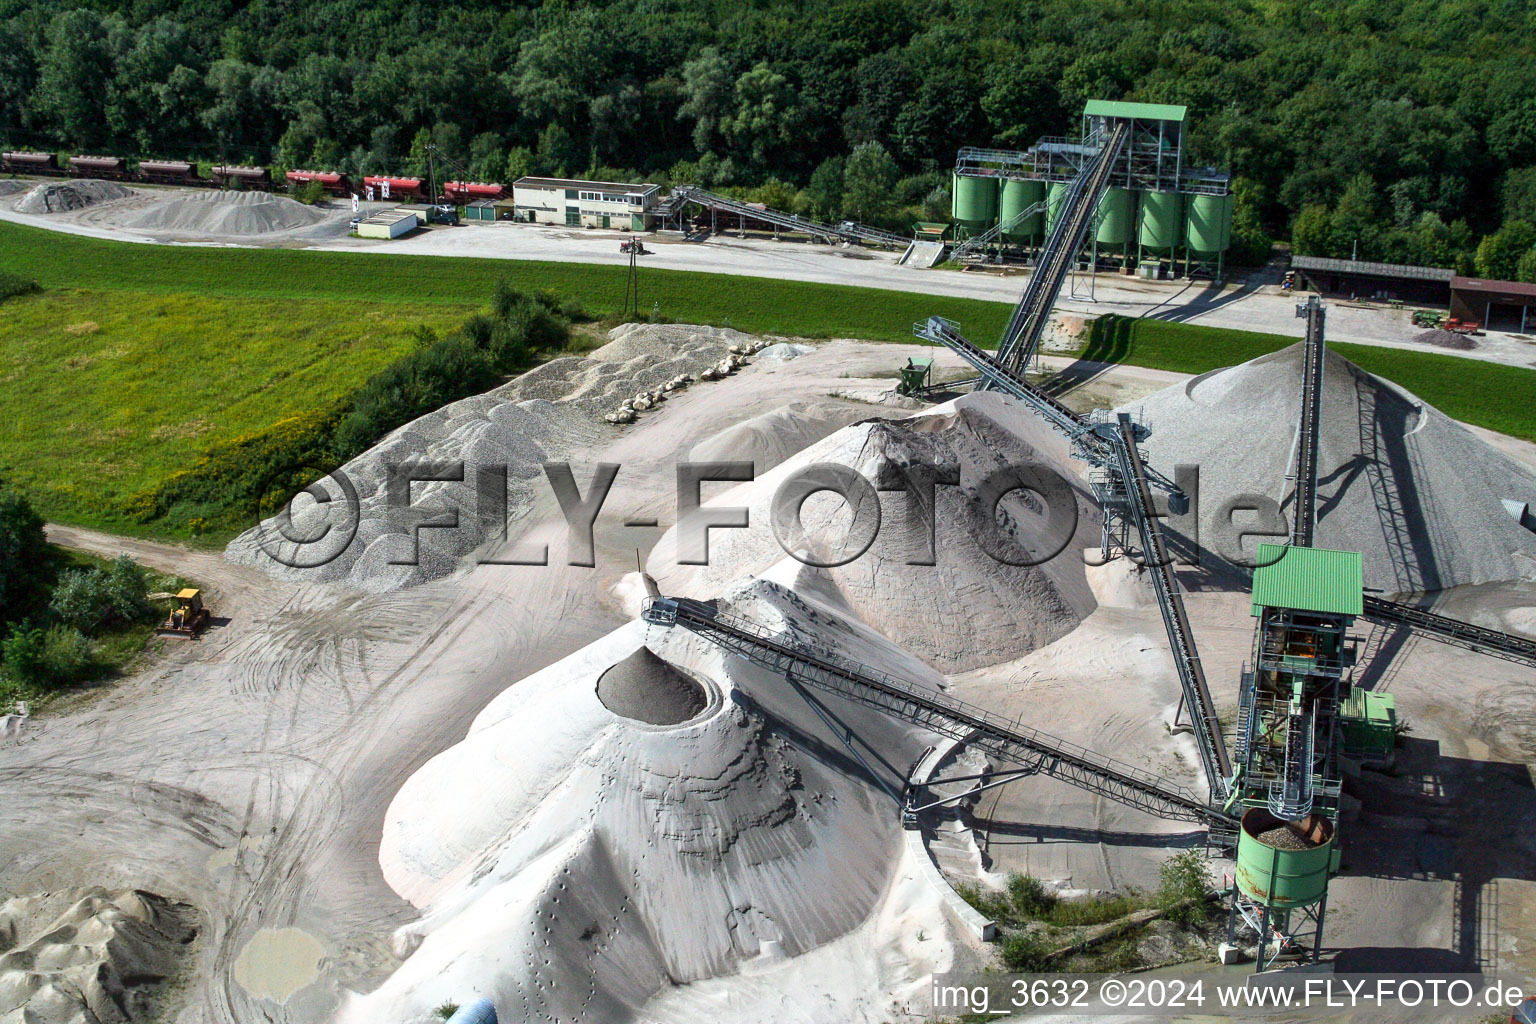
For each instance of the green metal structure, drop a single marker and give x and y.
(1116, 218)
(1018, 195)
(916, 376)
(1289, 876)
(1160, 221)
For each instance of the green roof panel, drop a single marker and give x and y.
(1308, 579)
(1141, 111)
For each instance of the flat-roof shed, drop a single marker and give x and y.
(1500, 305)
(1368, 280)
(389, 224)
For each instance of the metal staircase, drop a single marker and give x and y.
(1007, 739)
(976, 243)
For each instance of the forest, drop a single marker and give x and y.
(1398, 130)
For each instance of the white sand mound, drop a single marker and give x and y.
(769, 439)
(544, 415)
(1416, 493)
(651, 690)
(59, 196)
(969, 609)
(83, 956)
(784, 351)
(572, 866)
(226, 213)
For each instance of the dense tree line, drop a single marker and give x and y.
(1398, 129)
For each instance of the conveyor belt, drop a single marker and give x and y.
(1197, 695)
(1304, 504)
(1007, 739)
(1451, 631)
(846, 231)
(1061, 249)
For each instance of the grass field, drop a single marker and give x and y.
(765, 307)
(108, 392)
(137, 357)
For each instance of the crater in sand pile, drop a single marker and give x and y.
(651, 690)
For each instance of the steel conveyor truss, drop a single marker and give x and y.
(847, 231)
(1007, 739)
(1061, 248)
(1451, 631)
(1304, 505)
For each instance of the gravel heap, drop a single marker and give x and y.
(1285, 837)
(1421, 497)
(11, 186)
(648, 689)
(548, 414)
(769, 439)
(77, 955)
(1441, 338)
(59, 196)
(226, 213)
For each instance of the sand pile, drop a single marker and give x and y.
(89, 955)
(650, 690)
(1416, 493)
(769, 439)
(545, 415)
(226, 213)
(1441, 338)
(59, 196)
(572, 867)
(968, 609)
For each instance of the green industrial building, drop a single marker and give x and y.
(1159, 213)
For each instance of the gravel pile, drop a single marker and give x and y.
(59, 196)
(549, 414)
(648, 689)
(1423, 499)
(10, 187)
(226, 213)
(1285, 837)
(1441, 338)
(769, 439)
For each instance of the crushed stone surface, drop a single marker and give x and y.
(1441, 338)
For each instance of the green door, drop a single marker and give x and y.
(573, 216)
(605, 220)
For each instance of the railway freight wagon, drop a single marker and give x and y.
(395, 188)
(30, 163)
(110, 168)
(230, 176)
(465, 192)
(170, 172)
(334, 184)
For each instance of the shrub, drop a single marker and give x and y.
(21, 655)
(1025, 951)
(23, 555)
(1183, 882)
(89, 600)
(66, 654)
(1029, 896)
(12, 285)
(313, 192)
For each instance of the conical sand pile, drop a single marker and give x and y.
(1424, 500)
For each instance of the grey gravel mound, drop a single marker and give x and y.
(1415, 492)
(650, 690)
(61, 196)
(226, 213)
(10, 187)
(84, 955)
(1441, 338)
(546, 415)
(769, 439)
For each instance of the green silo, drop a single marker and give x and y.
(1208, 227)
(1284, 864)
(1116, 217)
(1161, 218)
(1056, 198)
(1018, 196)
(974, 202)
